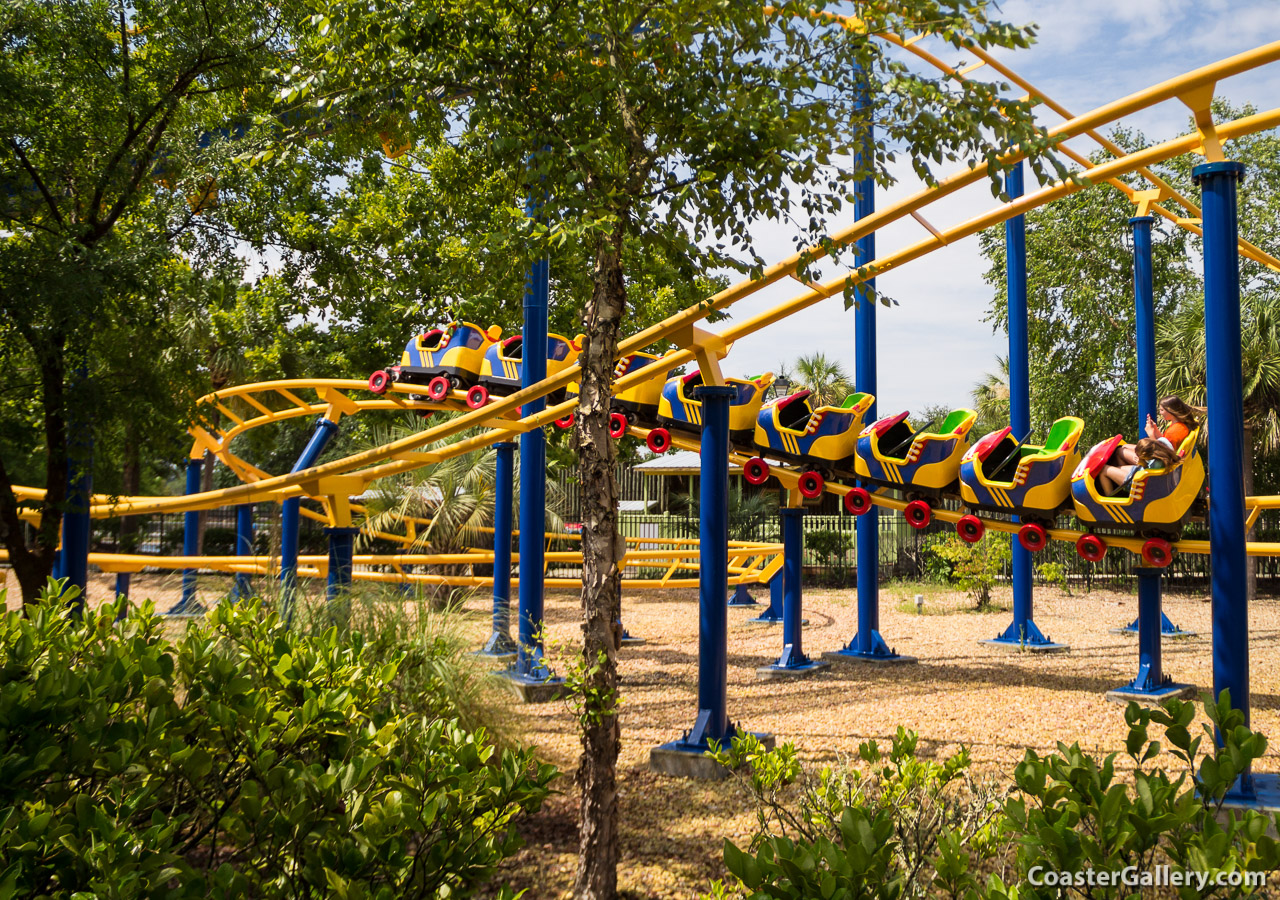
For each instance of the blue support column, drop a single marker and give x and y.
(1022, 632)
(1150, 680)
(341, 550)
(188, 605)
(290, 515)
(773, 614)
(529, 667)
(712, 723)
(742, 597)
(500, 643)
(793, 660)
(867, 644)
(242, 590)
(1227, 556)
(76, 522)
(123, 580)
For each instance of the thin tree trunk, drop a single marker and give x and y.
(1250, 564)
(602, 551)
(32, 565)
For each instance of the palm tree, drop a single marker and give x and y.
(1181, 363)
(455, 497)
(826, 379)
(991, 398)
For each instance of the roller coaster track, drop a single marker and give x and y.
(256, 405)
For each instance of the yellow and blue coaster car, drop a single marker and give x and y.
(792, 429)
(443, 359)
(890, 452)
(1156, 504)
(919, 461)
(1001, 474)
(680, 409)
(502, 368)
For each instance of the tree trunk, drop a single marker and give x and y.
(1250, 563)
(132, 477)
(32, 565)
(602, 551)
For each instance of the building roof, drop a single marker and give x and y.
(677, 462)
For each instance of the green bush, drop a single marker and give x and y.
(974, 568)
(1070, 830)
(832, 551)
(846, 832)
(238, 760)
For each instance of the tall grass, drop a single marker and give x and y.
(439, 677)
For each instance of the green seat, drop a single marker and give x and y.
(954, 420)
(852, 400)
(1060, 432)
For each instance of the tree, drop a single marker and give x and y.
(991, 399)
(1080, 302)
(117, 125)
(826, 379)
(645, 126)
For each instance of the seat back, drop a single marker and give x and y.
(1063, 434)
(1188, 444)
(958, 421)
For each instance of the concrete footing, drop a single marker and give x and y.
(535, 691)
(778, 673)
(690, 760)
(1048, 647)
(839, 656)
(1125, 695)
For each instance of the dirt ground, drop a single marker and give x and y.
(996, 702)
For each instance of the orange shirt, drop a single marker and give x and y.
(1177, 433)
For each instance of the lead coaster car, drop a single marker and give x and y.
(820, 440)
(1155, 507)
(442, 359)
(636, 405)
(922, 463)
(1004, 475)
(502, 371)
(680, 409)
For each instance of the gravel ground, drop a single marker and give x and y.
(996, 702)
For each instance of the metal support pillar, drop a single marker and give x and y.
(242, 589)
(712, 723)
(500, 643)
(1151, 621)
(290, 514)
(793, 660)
(742, 597)
(1022, 632)
(1227, 555)
(773, 614)
(76, 523)
(867, 644)
(187, 604)
(341, 550)
(529, 666)
(123, 580)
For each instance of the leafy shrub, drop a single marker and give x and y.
(239, 760)
(849, 833)
(902, 833)
(1053, 573)
(974, 568)
(832, 551)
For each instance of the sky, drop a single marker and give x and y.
(934, 346)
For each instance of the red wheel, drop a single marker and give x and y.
(438, 388)
(755, 470)
(617, 425)
(811, 484)
(1032, 537)
(1157, 552)
(477, 396)
(379, 381)
(658, 440)
(857, 501)
(918, 514)
(971, 529)
(566, 422)
(1091, 548)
